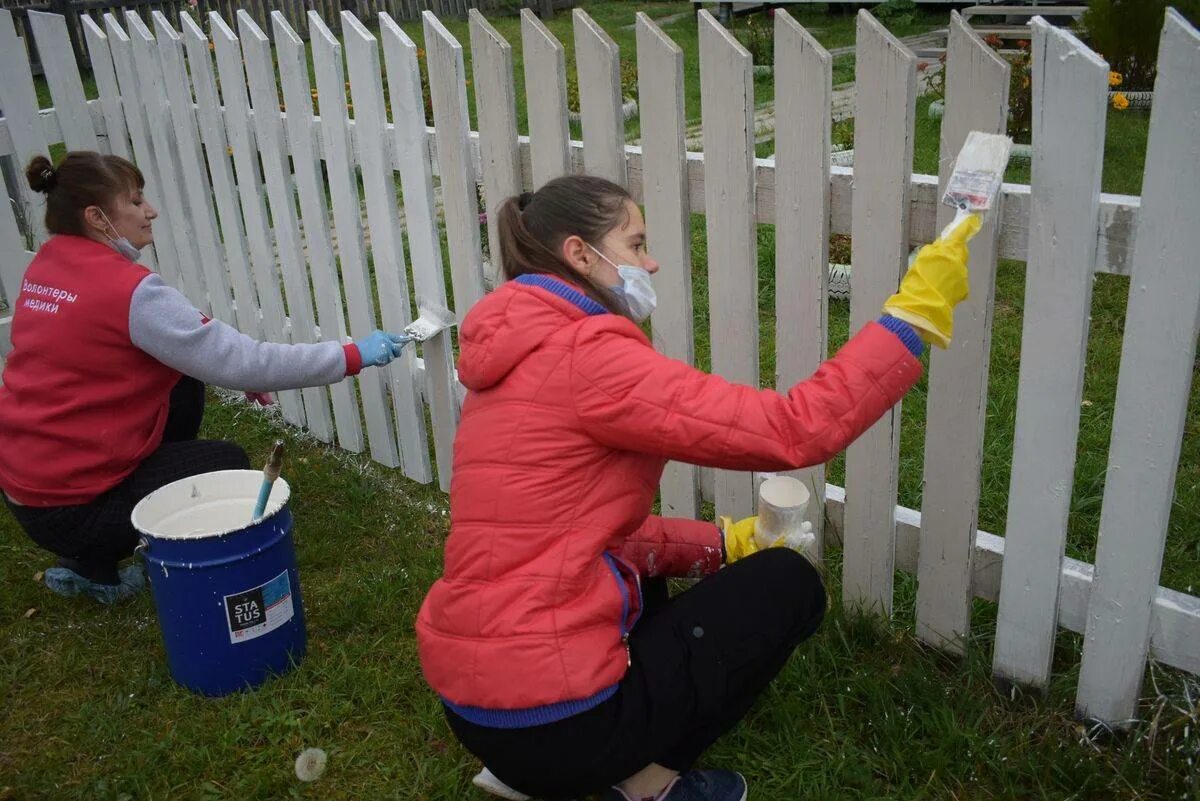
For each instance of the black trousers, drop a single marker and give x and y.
(92, 538)
(699, 661)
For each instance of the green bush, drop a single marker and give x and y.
(1126, 33)
(896, 12)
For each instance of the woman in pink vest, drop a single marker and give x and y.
(103, 391)
(559, 657)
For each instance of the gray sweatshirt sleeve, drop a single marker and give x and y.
(164, 324)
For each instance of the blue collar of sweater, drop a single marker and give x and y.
(556, 286)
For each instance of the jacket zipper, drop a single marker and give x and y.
(613, 561)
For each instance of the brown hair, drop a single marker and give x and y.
(533, 225)
(82, 178)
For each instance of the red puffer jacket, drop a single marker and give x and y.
(569, 421)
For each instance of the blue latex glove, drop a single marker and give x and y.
(379, 347)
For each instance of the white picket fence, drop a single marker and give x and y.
(259, 235)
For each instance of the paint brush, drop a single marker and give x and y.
(978, 173)
(270, 473)
(432, 320)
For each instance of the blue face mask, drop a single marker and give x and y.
(120, 243)
(636, 288)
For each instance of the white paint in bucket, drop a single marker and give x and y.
(207, 505)
(782, 501)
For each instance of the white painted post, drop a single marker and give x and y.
(1157, 359)
(976, 100)
(598, 66)
(546, 100)
(281, 193)
(195, 175)
(391, 279)
(14, 260)
(803, 97)
(116, 140)
(883, 148)
(424, 243)
(250, 190)
(1070, 91)
(19, 103)
(727, 102)
(212, 132)
(347, 219)
(314, 211)
(62, 76)
(668, 223)
(174, 234)
(496, 113)
(452, 127)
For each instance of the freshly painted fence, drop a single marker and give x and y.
(302, 224)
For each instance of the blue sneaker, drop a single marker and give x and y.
(695, 785)
(68, 583)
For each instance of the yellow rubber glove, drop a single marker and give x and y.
(934, 284)
(739, 538)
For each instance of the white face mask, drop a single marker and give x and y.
(120, 243)
(636, 288)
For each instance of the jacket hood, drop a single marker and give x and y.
(512, 322)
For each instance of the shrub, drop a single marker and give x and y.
(1126, 33)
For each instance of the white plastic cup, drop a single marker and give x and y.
(782, 501)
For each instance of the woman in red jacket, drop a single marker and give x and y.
(103, 391)
(550, 638)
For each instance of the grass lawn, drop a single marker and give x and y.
(862, 711)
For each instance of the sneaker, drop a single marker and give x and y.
(490, 783)
(68, 583)
(695, 785)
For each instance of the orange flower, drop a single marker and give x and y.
(1023, 44)
(1114, 79)
(1120, 102)
(1025, 82)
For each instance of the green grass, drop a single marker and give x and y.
(860, 712)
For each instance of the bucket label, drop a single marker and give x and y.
(257, 611)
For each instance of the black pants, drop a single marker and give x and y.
(92, 538)
(700, 659)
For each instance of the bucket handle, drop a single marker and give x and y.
(141, 548)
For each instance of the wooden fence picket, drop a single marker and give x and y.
(121, 48)
(232, 74)
(116, 139)
(668, 223)
(1070, 91)
(347, 220)
(1157, 360)
(546, 100)
(220, 172)
(496, 115)
(976, 100)
(391, 278)
(314, 212)
(62, 77)
(281, 194)
(196, 184)
(598, 64)
(726, 84)
(803, 99)
(174, 234)
(886, 88)
(424, 242)
(452, 127)
(20, 106)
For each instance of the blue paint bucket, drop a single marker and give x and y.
(226, 588)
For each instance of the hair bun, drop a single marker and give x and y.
(524, 200)
(41, 175)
